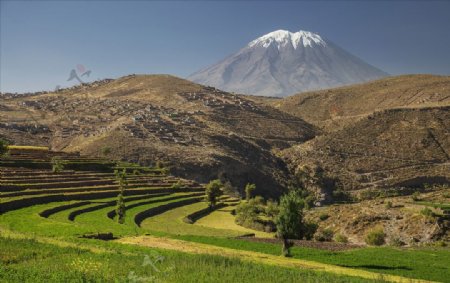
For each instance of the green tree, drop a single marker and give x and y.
(57, 164)
(213, 192)
(3, 147)
(121, 178)
(249, 188)
(272, 209)
(290, 219)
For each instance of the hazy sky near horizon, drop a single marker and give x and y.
(42, 41)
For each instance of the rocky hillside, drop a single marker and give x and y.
(198, 131)
(334, 108)
(388, 149)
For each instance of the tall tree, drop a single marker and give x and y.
(121, 178)
(290, 219)
(213, 192)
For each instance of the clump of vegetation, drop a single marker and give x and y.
(427, 212)
(325, 235)
(57, 164)
(106, 150)
(290, 219)
(324, 216)
(213, 192)
(375, 237)
(388, 204)
(3, 147)
(272, 209)
(340, 195)
(121, 178)
(249, 188)
(339, 238)
(415, 196)
(396, 242)
(178, 185)
(247, 213)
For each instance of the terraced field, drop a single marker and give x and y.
(84, 201)
(48, 219)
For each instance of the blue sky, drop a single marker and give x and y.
(42, 41)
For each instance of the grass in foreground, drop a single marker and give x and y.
(24, 260)
(420, 263)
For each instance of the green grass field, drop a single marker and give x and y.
(25, 260)
(34, 248)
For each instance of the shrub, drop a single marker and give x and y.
(428, 212)
(415, 196)
(323, 216)
(340, 238)
(57, 164)
(396, 242)
(177, 185)
(341, 195)
(3, 147)
(272, 209)
(249, 188)
(106, 150)
(388, 204)
(310, 229)
(375, 237)
(247, 212)
(325, 235)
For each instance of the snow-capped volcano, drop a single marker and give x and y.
(282, 63)
(283, 37)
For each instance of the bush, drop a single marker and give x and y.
(271, 209)
(106, 150)
(323, 216)
(247, 213)
(249, 188)
(427, 212)
(310, 229)
(3, 147)
(57, 164)
(325, 235)
(415, 196)
(341, 195)
(375, 237)
(396, 242)
(340, 238)
(177, 185)
(388, 205)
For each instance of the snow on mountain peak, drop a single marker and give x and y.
(284, 37)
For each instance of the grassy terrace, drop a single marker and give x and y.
(40, 238)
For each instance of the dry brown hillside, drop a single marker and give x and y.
(332, 109)
(198, 131)
(388, 149)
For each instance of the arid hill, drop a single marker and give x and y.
(332, 109)
(393, 148)
(198, 131)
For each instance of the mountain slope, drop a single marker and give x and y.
(334, 108)
(393, 148)
(282, 63)
(198, 131)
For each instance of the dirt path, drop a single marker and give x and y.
(198, 248)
